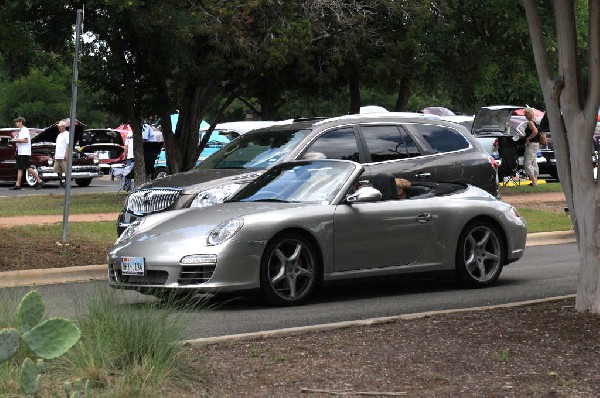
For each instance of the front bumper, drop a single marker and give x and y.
(236, 269)
(77, 173)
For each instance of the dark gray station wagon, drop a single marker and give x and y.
(408, 145)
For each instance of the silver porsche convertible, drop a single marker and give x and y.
(306, 222)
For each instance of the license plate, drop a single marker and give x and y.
(132, 265)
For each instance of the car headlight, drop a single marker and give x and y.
(224, 231)
(130, 230)
(213, 196)
(96, 160)
(50, 162)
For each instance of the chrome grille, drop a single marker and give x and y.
(196, 275)
(151, 200)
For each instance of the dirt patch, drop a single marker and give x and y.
(21, 252)
(548, 201)
(541, 350)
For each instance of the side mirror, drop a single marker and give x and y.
(364, 194)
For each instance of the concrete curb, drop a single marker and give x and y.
(364, 322)
(551, 238)
(52, 276)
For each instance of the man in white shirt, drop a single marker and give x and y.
(61, 155)
(23, 141)
(148, 131)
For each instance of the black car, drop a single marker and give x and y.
(413, 146)
(549, 167)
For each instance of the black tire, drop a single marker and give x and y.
(83, 182)
(289, 270)
(480, 255)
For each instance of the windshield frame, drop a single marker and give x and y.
(304, 181)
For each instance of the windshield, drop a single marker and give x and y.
(255, 151)
(298, 182)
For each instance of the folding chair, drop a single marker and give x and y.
(124, 173)
(508, 172)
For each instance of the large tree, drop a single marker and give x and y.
(572, 99)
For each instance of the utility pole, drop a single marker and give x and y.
(72, 125)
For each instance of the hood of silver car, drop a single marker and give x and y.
(174, 228)
(196, 180)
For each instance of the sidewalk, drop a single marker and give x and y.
(51, 219)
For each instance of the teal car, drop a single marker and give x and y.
(217, 140)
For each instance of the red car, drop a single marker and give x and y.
(107, 144)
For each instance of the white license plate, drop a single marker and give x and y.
(132, 265)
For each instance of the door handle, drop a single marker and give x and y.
(424, 218)
(423, 175)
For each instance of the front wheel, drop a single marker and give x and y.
(480, 254)
(289, 271)
(83, 182)
(29, 178)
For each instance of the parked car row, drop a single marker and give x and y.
(43, 143)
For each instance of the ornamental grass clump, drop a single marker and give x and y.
(127, 348)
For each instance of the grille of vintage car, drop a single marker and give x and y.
(151, 200)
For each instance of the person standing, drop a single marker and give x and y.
(61, 154)
(148, 131)
(129, 148)
(532, 146)
(23, 142)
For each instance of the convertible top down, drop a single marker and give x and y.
(304, 222)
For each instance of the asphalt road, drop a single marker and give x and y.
(102, 184)
(544, 271)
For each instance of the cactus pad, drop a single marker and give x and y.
(29, 377)
(52, 338)
(31, 310)
(9, 343)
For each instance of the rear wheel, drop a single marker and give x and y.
(480, 254)
(289, 271)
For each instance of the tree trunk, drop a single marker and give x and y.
(354, 87)
(184, 147)
(572, 122)
(403, 95)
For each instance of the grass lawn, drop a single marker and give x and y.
(527, 190)
(108, 202)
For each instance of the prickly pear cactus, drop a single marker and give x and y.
(9, 343)
(52, 338)
(47, 340)
(77, 390)
(31, 310)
